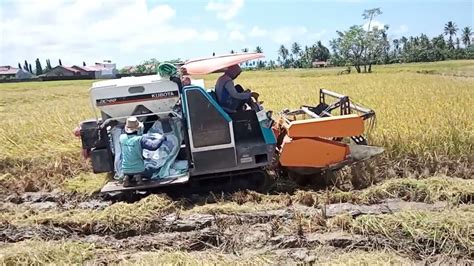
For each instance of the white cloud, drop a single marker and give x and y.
(256, 31)
(236, 35)
(231, 25)
(88, 30)
(209, 35)
(288, 34)
(401, 30)
(225, 10)
(316, 36)
(374, 24)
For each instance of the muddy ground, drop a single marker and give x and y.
(287, 231)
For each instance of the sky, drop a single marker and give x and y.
(131, 31)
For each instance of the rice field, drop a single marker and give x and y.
(49, 212)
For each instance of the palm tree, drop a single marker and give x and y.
(258, 49)
(450, 29)
(283, 52)
(416, 41)
(404, 41)
(296, 49)
(245, 50)
(396, 44)
(439, 42)
(466, 36)
(396, 47)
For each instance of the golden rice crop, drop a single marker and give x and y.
(448, 231)
(421, 117)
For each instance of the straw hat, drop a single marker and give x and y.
(132, 124)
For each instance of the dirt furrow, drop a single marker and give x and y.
(188, 222)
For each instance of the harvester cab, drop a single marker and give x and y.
(204, 143)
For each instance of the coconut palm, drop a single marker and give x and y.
(466, 36)
(283, 52)
(450, 29)
(404, 41)
(295, 54)
(258, 49)
(396, 44)
(296, 49)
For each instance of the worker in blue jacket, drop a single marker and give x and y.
(132, 145)
(230, 96)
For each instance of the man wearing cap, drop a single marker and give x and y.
(132, 145)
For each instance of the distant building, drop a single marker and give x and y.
(62, 71)
(99, 70)
(85, 70)
(9, 72)
(320, 64)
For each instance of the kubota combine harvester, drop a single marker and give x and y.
(213, 145)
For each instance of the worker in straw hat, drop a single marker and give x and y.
(132, 145)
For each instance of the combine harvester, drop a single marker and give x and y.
(218, 146)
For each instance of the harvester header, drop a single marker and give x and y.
(313, 139)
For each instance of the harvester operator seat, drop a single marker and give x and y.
(213, 95)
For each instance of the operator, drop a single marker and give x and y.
(132, 145)
(232, 97)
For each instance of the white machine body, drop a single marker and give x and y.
(121, 97)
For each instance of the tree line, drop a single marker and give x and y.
(38, 70)
(147, 66)
(362, 47)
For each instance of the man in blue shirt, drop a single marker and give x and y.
(132, 145)
(230, 96)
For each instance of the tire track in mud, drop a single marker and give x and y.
(233, 239)
(55, 200)
(244, 234)
(277, 230)
(195, 222)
